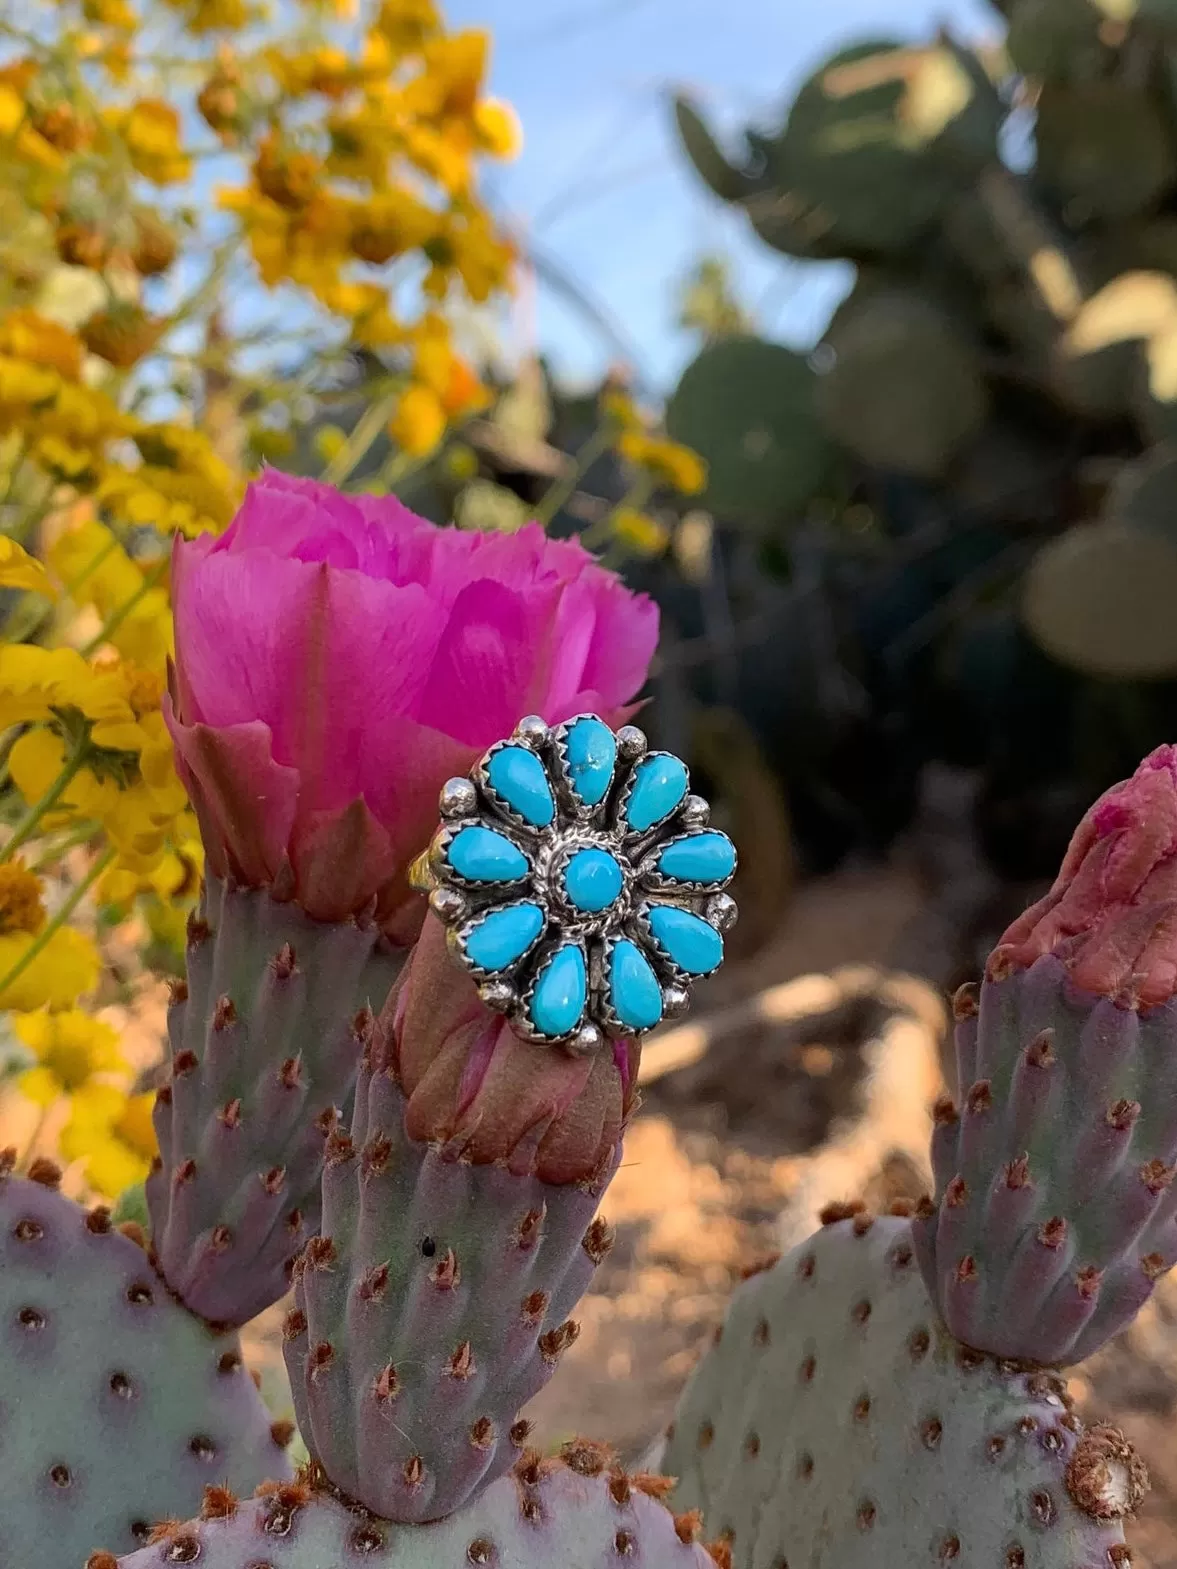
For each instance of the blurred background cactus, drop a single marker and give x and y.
(968, 482)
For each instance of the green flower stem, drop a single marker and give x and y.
(117, 617)
(29, 823)
(48, 931)
(558, 493)
(598, 533)
(55, 852)
(368, 427)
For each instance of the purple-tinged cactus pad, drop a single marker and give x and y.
(1056, 1209)
(263, 1061)
(433, 1305)
(836, 1425)
(547, 1516)
(117, 1406)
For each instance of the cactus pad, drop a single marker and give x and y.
(263, 1060)
(432, 1307)
(748, 407)
(567, 1513)
(836, 1425)
(906, 391)
(1057, 1211)
(1099, 598)
(116, 1405)
(1103, 148)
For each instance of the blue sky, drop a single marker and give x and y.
(600, 187)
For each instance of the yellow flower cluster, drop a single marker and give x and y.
(76, 1059)
(659, 464)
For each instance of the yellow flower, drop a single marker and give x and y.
(498, 128)
(113, 1133)
(27, 336)
(151, 133)
(326, 70)
(70, 1048)
(66, 966)
(94, 569)
(639, 532)
(20, 570)
(390, 223)
(675, 465)
(419, 422)
(110, 13)
(618, 407)
(36, 681)
(406, 24)
(21, 906)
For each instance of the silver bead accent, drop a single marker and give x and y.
(532, 731)
(587, 1040)
(499, 995)
(722, 911)
(675, 1001)
(631, 743)
(696, 811)
(458, 798)
(448, 904)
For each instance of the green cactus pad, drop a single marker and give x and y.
(1103, 148)
(263, 1059)
(836, 1425)
(877, 139)
(725, 179)
(906, 390)
(1100, 598)
(572, 1512)
(433, 1306)
(1056, 1212)
(1055, 40)
(117, 1406)
(747, 407)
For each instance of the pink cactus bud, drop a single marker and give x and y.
(468, 1078)
(1112, 913)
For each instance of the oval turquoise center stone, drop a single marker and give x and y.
(592, 880)
(699, 858)
(693, 943)
(659, 785)
(504, 936)
(633, 987)
(592, 752)
(518, 776)
(561, 990)
(483, 856)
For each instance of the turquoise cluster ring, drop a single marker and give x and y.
(580, 882)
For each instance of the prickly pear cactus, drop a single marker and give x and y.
(263, 1062)
(430, 1309)
(836, 1425)
(117, 1406)
(565, 1513)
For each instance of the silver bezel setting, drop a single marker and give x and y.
(462, 903)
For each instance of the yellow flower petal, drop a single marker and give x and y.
(20, 570)
(65, 968)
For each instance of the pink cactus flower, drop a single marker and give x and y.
(338, 658)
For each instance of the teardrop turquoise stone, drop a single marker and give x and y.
(592, 753)
(693, 943)
(518, 776)
(592, 880)
(633, 988)
(504, 936)
(484, 856)
(659, 785)
(560, 992)
(699, 858)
